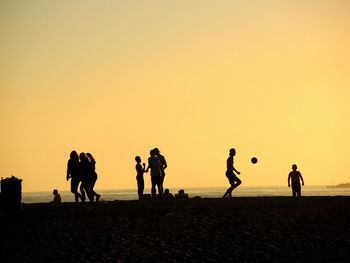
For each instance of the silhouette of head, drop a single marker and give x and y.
(152, 152)
(74, 155)
(181, 191)
(232, 152)
(90, 157)
(138, 159)
(294, 167)
(55, 192)
(82, 156)
(156, 151)
(166, 191)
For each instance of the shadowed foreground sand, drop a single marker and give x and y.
(253, 229)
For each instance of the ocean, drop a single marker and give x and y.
(211, 192)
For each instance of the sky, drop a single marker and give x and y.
(193, 78)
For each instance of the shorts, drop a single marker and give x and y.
(156, 180)
(232, 178)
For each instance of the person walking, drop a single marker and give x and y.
(92, 177)
(74, 174)
(85, 175)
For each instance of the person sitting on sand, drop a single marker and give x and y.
(92, 177)
(140, 169)
(56, 197)
(181, 194)
(167, 195)
(156, 175)
(74, 174)
(295, 176)
(230, 174)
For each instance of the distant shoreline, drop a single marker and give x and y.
(190, 199)
(183, 187)
(212, 192)
(345, 185)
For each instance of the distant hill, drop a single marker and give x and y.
(345, 185)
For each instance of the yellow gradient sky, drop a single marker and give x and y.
(194, 78)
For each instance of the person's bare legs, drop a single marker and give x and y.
(229, 192)
(234, 184)
(153, 189)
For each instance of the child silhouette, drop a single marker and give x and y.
(140, 169)
(56, 197)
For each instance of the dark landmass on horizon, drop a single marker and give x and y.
(344, 185)
(243, 229)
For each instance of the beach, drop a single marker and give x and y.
(242, 229)
(205, 192)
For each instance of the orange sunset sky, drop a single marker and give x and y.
(193, 78)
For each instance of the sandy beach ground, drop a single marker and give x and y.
(251, 229)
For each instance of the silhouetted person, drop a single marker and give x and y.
(295, 176)
(74, 174)
(140, 169)
(85, 175)
(56, 197)
(167, 195)
(163, 164)
(156, 174)
(230, 174)
(181, 194)
(92, 177)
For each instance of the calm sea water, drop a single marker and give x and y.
(214, 192)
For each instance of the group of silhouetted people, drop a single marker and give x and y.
(157, 164)
(81, 171)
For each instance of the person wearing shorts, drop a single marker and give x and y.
(230, 174)
(156, 174)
